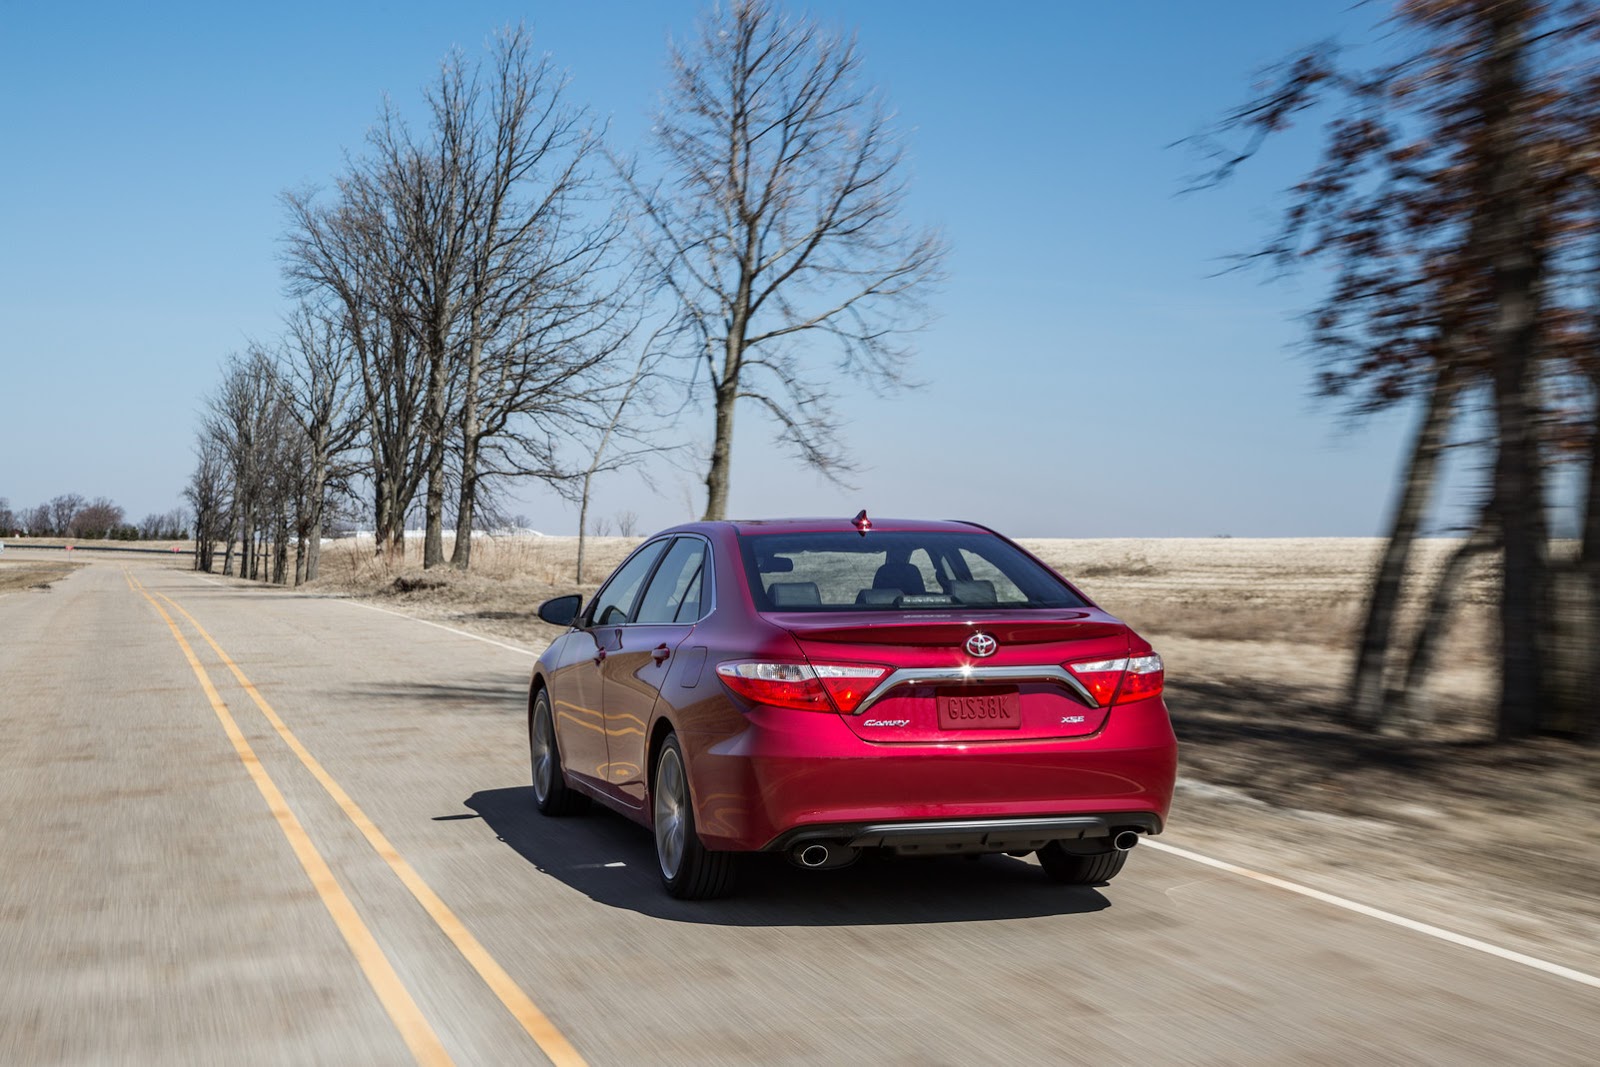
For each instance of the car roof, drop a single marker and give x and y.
(829, 524)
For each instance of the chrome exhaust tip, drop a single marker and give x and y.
(812, 855)
(1123, 840)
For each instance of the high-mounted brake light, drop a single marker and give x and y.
(824, 687)
(861, 522)
(1121, 681)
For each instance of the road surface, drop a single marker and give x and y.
(249, 826)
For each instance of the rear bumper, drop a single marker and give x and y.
(793, 776)
(987, 835)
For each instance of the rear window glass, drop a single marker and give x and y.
(896, 571)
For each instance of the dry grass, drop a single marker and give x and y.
(1284, 609)
(1304, 590)
(17, 575)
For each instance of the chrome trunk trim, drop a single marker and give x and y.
(970, 674)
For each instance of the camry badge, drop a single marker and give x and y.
(982, 645)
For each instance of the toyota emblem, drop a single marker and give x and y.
(982, 645)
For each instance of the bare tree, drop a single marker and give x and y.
(346, 252)
(248, 424)
(1453, 183)
(9, 521)
(38, 521)
(63, 510)
(318, 369)
(541, 309)
(97, 519)
(779, 218)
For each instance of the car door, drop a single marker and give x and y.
(634, 672)
(577, 686)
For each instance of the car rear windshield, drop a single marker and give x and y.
(895, 570)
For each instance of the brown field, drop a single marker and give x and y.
(17, 575)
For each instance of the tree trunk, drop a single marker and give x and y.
(583, 522)
(433, 510)
(461, 558)
(319, 491)
(466, 508)
(1589, 568)
(434, 427)
(1406, 706)
(1516, 267)
(721, 455)
(1367, 691)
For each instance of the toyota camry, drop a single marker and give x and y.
(823, 688)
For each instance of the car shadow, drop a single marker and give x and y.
(492, 695)
(612, 861)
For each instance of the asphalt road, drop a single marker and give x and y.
(369, 884)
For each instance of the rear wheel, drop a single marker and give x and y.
(551, 793)
(689, 870)
(1076, 868)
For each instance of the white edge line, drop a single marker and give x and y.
(447, 629)
(1385, 916)
(208, 581)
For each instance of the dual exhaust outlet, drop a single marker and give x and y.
(818, 854)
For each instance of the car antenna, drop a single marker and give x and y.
(861, 522)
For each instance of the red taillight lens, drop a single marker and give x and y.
(849, 683)
(1118, 681)
(1146, 677)
(825, 687)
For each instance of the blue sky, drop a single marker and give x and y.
(1088, 374)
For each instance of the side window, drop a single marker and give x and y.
(674, 593)
(615, 601)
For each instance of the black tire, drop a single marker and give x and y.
(1076, 868)
(551, 794)
(689, 870)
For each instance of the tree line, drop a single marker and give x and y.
(70, 515)
(498, 293)
(1456, 209)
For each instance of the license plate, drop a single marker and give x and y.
(979, 709)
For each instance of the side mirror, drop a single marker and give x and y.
(562, 610)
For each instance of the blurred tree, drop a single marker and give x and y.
(97, 519)
(480, 291)
(779, 218)
(63, 509)
(1445, 205)
(207, 494)
(317, 367)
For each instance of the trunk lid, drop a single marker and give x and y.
(947, 693)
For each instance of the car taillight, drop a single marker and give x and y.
(801, 686)
(1140, 677)
(849, 683)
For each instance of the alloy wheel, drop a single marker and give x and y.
(671, 802)
(544, 761)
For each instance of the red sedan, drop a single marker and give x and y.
(822, 687)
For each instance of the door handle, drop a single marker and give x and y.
(660, 653)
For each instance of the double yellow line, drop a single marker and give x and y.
(397, 1001)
